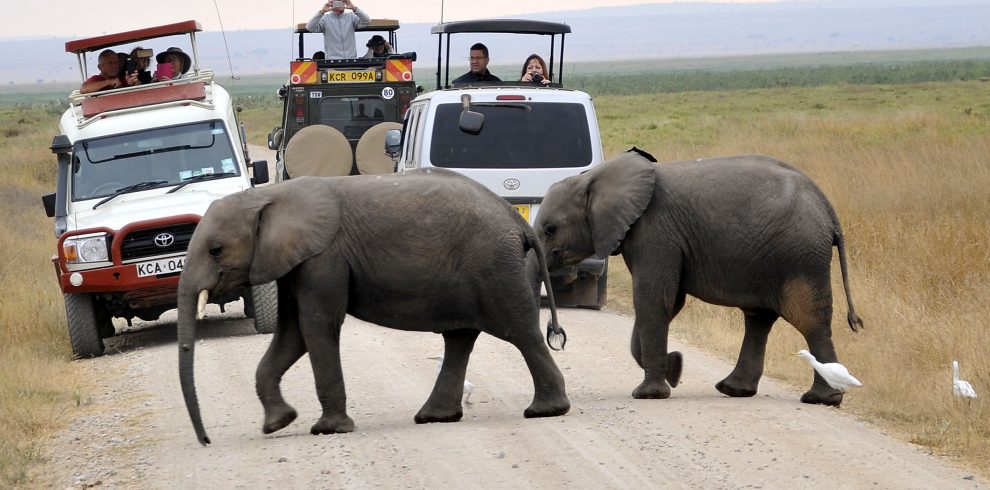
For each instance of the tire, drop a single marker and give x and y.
(84, 327)
(263, 307)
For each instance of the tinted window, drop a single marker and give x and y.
(352, 116)
(169, 155)
(517, 135)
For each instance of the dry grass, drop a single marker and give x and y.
(907, 167)
(908, 170)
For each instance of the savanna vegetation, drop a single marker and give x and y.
(904, 159)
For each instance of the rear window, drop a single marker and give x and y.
(352, 116)
(515, 135)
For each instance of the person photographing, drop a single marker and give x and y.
(338, 26)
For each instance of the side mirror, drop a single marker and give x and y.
(260, 168)
(48, 200)
(275, 138)
(393, 143)
(471, 122)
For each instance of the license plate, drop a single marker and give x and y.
(350, 76)
(523, 210)
(159, 267)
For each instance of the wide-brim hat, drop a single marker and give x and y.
(186, 60)
(375, 40)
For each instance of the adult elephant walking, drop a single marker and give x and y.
(429, 251)
(745, 231)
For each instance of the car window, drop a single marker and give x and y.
(352, 116)
(517, 135)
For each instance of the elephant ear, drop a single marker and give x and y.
(618, 192)
(299, 221)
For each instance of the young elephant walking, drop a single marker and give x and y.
(429, 251)
(745, 231)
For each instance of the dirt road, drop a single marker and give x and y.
(135, 433)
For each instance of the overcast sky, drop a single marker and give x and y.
(64, 18)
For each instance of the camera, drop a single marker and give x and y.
(338, 4)
(537, 78)
(131, 66)
(144, 53)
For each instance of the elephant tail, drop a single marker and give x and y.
(855, 323)
(554, 331)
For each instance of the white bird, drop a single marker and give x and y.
(468, 386)
(835, 374)
(961, 387)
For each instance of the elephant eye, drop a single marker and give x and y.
(216, 251)
(549, 230)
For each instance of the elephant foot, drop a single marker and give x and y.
(428, 415)
(831, 398)
(734, 388)
(548, 408)
(675, 362)
(277, 418)
(651, 390)
(338, 424)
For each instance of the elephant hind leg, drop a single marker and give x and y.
(550, 396)
(808, 306)
(745, 377)
(444, 404)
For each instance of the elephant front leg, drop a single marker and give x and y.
(285, 349)
(323, 342)
(444, 404)
(745, 377)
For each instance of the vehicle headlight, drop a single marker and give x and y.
(88, 249)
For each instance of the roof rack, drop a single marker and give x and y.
(82, 46)
(376, 25)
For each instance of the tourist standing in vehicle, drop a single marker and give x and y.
(338, 27)
(479, 67)
(109, 76)
(535, 70)
(177, 59)
(378, 47)
(142, 60)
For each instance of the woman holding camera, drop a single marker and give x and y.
(535, 70)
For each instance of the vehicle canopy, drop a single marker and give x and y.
(82, 46)
(376, 25)
(499, 26)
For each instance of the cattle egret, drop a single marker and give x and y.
(835, 374)
(468, 386)
(961, 387)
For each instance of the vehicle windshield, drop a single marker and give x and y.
(522, 135)
(352, 116)
(158, 157)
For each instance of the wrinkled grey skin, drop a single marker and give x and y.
(746, 231)
(427, 251)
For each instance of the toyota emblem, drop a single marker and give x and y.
(511, 184)
(163, 240)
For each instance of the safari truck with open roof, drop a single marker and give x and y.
(335, 112)
(516, 138)
(137, 168)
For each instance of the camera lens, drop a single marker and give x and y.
(537, 77)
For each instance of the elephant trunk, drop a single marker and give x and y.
(190, 310)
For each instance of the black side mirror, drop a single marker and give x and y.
(260, 168)
(48, 200)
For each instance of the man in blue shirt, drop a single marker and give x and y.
(338, 27)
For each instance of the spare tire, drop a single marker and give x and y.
(318, 150)
(370, 153)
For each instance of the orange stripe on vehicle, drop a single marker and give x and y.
(398, 70)
(303, 72)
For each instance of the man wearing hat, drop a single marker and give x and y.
(175, 57)
(338, 27)
(378, 47)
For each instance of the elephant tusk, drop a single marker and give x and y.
(201, 303)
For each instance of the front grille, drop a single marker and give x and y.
(141, 243)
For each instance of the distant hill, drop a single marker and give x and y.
(644, 31)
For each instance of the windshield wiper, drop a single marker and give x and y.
(200, 178)
(153, 151)
(131, 188)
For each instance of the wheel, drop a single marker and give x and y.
(263, 307)
(84, 327)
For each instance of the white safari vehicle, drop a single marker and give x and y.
(137, 168)
(516, 138)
